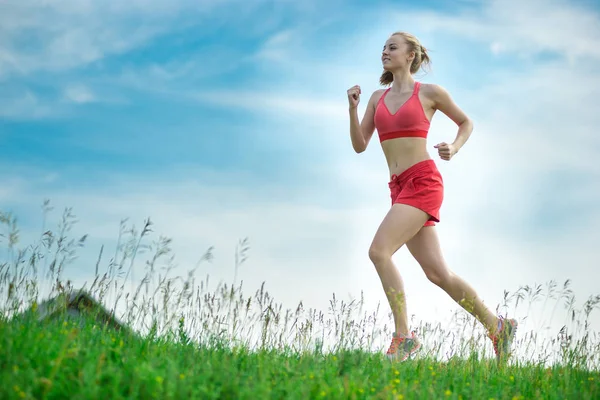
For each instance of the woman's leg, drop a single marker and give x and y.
(401, 223)
(425, 248)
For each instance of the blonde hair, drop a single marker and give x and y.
(421, 57)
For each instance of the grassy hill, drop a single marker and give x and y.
(191, 342)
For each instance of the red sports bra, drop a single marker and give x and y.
(409, 121)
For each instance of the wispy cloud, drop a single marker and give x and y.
(24, 104)
(83, 32)
(79, 94)
(524, 29)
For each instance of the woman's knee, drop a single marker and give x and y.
(378, 255)
(438, 276)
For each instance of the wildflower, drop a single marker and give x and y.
(181, 376)
(159, 379)
(19, 391)
(448, 392)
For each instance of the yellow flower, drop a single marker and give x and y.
(512, 378)
(448, 392)
(159, 379)
(19, 391)
(182, 376)
(396, 372)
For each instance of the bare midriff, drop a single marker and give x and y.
(402, 153)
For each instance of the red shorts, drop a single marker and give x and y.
(420, 186)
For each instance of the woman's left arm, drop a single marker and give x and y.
(443, 101)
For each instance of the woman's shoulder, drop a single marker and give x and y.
(432, 90)
(376, 95)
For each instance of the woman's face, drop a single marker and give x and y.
(396, 54)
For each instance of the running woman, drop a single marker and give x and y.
(402, 114)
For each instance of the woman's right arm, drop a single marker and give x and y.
(361, 133)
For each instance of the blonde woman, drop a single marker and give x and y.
(402, 114)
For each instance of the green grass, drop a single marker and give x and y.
(53, 360)
(192, 342)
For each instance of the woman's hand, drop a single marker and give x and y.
(354, 96)
(446, 151)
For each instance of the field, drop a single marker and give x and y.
(187, 341)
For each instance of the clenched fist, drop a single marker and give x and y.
(446, 151)
(354, 96)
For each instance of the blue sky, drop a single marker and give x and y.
(225, 121)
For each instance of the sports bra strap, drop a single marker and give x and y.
(416, 89)
(383, 96)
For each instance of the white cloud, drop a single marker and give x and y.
(25, 104)
(79, 94)
(496, 48)
(524, 28)
(264, 102)
(275, 47)
(82, 32)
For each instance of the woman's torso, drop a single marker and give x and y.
(402, 121)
